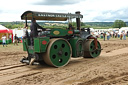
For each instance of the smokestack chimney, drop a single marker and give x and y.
(78, 20)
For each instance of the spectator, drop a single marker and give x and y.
(108, 35)
(4, 40)
(104, 35)
(15, 39)
(118, 34)
(124, 36)
(115, 35)
(127, 33)
(121, 35)
(96, 34)
(10, 36)
(101, 35)
(111, 33)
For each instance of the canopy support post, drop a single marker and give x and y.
(26, 21)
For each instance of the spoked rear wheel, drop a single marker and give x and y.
(58, 53)
(89, 49)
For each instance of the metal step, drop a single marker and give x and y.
(35, 63)
(25, 61)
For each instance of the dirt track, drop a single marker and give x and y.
(111, 67)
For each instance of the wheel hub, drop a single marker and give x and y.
(60, 53)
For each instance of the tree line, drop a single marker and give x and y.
(100, 25)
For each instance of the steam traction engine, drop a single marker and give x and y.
(56, 46)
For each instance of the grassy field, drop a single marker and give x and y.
(11, 47)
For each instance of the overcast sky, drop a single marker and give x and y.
(93, 10)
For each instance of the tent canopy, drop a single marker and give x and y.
(10, 31)
(7, 32)
(3, 29)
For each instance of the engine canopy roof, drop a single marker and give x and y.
(29, 15)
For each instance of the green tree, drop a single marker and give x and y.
(82, 24)
(119, 24)
(86, 26)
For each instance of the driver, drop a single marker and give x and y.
(33, 27)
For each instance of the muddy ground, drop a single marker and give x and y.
(110, 68)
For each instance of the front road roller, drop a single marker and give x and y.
(58, 52)
(90, 50)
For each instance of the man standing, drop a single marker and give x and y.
(15, 39)
(108, 35)
(124, 36)
(34, 32)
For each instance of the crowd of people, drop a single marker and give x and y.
(112, 34)
(4, 39)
